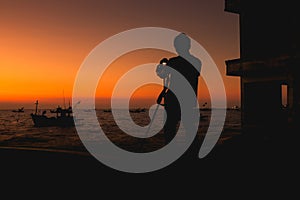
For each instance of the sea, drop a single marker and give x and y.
(18, 131)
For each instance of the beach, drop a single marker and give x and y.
(67, 163)
(234, 165)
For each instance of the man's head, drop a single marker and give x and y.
(182, 44)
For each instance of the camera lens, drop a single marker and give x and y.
(164, 61)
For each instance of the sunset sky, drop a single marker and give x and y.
(43, 43)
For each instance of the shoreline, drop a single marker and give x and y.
(237, 146)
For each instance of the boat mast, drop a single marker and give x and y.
(64, 99)
(36, 106)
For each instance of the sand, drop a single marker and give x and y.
(236, 163)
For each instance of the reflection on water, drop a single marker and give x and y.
(17, 130)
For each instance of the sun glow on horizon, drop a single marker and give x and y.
(42, 45)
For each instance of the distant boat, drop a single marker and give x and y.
(137, 110)
(205, 109)
(19, 110)
(63, 118)
(235, 108)
(203, 117)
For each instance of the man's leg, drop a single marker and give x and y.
(170, 127)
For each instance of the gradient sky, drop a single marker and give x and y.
(43, 43)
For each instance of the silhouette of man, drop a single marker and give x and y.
(189, 67)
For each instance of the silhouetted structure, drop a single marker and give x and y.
(269, 58)
(19, 110)
(63, 118)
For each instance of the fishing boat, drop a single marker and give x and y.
(237, 108)
(63, 118)
(19, 110)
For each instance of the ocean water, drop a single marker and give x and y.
(17, 130)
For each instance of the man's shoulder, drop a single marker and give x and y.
(174, 59)
(174, 62)
(177, 60)
(191, 60)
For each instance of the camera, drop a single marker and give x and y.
(161, 69)
(164, 61)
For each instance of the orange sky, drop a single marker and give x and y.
(43, 43)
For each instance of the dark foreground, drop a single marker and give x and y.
(241, 163)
